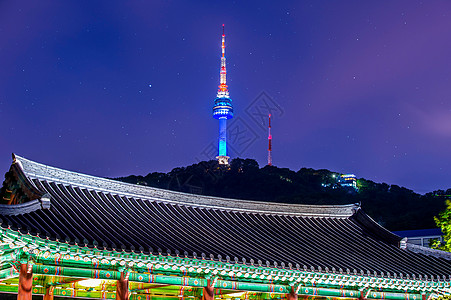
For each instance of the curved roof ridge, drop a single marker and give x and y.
(35, 170)
(428, 251)
(369, 223)
(21, 208)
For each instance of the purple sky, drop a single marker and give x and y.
(112, 88)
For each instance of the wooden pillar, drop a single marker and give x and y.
(25, 283)
(292, 295)
(48, 293)
(208, 291)
(122, 288)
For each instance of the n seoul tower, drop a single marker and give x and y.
(222, 109)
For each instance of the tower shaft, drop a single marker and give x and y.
(222, 137)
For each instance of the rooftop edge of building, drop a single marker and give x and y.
(35, 170)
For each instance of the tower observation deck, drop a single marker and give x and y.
(222, 108)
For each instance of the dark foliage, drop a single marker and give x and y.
(394, 207)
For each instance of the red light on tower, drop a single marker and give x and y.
(269, 142)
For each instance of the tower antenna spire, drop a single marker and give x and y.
(223, 109)
(223, 86)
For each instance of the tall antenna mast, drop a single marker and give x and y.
(223, 73)
(269, 142)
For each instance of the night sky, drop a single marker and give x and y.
(115, 88)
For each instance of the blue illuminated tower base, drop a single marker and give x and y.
(223, 110)
(222, 143)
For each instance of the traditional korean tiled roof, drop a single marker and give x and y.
(103, 213)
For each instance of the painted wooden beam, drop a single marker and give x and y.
(150, 287)
(62, 282)
(393, 296)
(219, 284)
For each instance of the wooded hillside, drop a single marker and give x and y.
(392, 206)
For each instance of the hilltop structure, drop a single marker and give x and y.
(348, 180)
(73, 235)
(223, 109)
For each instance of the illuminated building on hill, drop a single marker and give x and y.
(348, 180)
(222, 109)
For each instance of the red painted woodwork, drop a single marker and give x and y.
(25, 283)
(362, 296)
(292, 295)
(122, 288)
(48, 293)
(208, 291)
